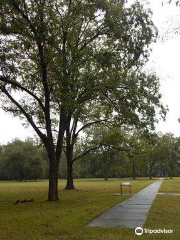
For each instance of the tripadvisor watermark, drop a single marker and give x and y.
(140, 231)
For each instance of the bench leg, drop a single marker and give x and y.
(121, 190)
(130, 189)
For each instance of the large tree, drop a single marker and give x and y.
(128, 95)
(58, 56)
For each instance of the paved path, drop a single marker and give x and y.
(130, 213)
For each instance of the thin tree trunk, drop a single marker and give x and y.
(105, 175)
(171, 173)
(150, 173)
(134, 169)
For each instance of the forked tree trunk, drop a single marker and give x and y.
(54, 154)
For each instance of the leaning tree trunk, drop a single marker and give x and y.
(53, 179)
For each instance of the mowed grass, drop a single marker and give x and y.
(67, 218)
(165, 212)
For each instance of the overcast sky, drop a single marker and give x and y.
(165, 59)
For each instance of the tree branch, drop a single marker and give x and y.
(62, 122)
(16, 6)
(117, 148)
(89, 124)
(18, 85)
(85, 153)
(99, 33)
(28, 117)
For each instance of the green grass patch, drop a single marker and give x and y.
(165, 212)
(67, 218)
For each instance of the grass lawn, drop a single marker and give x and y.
(67, 219)
(165, 212)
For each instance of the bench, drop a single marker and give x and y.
(125, 184)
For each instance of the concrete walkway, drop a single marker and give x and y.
(132, 212)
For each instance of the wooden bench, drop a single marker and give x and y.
(125, 184)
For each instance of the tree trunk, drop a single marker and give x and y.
(53, 179)
(69, 156)
(105, 175)
(69, 153)
(171, 173)
(134, 169)
(70, 180)
(150, 173)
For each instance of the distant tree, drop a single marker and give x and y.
(21, 161)
(102, 162)
(171, 151)
(161, 155)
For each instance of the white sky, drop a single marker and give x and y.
(165, 59)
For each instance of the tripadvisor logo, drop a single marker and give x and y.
(139, 231)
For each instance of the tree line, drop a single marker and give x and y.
(135, 155)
